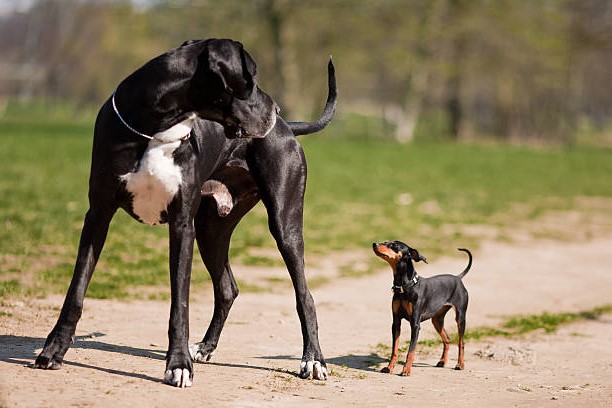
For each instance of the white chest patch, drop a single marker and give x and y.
(158, 178)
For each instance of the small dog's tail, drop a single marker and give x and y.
(469, 265)
(305, 128)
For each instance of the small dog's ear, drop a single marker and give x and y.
(416, 257)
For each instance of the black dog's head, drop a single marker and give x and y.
(218, 79)
(397, 254)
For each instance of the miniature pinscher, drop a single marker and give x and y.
(417, 299)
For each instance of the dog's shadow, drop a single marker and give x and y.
(371, 362)
(368, 362)
(21, 350)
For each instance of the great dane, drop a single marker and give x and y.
(190, 140)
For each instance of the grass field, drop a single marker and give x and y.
(358, 191)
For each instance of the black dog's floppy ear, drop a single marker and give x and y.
(416, 257)
(189, 42)
(233, 66)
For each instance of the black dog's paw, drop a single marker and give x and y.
(48, 363)
(179, 371)
(385, 370)
(52, 355)
(317, 369)
(201, 352)
(179, 377)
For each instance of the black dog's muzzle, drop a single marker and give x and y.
(248, 118)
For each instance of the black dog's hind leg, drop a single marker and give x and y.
(93, 235)
(460, 318)
(438, 322)
(279, 168)
(213, 234)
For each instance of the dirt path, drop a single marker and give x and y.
(118, 357)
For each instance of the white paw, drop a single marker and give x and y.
(319, 372)
(178, 377)
(314, 368)
(196, 354)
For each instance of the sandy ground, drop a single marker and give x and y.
(118, 359)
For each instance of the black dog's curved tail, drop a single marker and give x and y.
(469, 265)
(305, 128)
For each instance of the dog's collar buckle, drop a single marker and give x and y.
(399, 289)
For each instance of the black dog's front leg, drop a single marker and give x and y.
(415, 327)
(92, 240)
(396, 329)
(179, 368)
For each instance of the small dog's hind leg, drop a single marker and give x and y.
(438, 322)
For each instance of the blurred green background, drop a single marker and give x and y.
(457, 122)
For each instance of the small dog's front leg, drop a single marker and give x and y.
(414, 336)
(395, 334)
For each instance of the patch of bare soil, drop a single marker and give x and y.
(118, 358)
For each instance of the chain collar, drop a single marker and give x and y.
(123, 120)
(400, 288)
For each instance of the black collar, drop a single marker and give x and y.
(402, 288)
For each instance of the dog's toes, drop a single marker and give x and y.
(459, 367)
(313, 368)
(179, 377)
(319, 372)
(385, 370)
(440, 364)
(47, 363)
(201, 353)
(306, 369)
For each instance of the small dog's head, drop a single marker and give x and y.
(396, 252)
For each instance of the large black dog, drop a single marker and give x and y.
(190, 140)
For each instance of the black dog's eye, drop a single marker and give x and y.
(225, 99)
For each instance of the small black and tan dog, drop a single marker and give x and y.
(417, 299)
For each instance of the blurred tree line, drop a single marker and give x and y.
(518, 70)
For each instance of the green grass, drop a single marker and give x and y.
(10, 287)
(514, 326)
(523, 324)
(550, 322)
(359, 190)
(354, 189)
